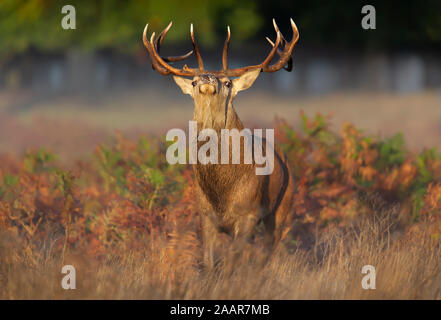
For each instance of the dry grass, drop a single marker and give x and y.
(408, 266)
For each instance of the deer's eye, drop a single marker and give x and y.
(194, 83)
(227, 84)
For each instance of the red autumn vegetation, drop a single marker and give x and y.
(127, 199)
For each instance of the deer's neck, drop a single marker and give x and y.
(218, 179)
(216, 115)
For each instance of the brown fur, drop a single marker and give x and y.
(231, 197)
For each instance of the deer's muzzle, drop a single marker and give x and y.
(207, 89)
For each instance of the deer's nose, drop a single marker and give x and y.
(207, 89)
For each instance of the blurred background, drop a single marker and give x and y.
(69, 90)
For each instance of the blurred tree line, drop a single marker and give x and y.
(114, 24)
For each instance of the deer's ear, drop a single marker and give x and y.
(246, 80)
(184, 84)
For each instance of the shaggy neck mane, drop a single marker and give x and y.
(215, 114)
(217, 180)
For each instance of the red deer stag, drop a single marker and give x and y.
(231, 197)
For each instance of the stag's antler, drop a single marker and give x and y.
(160, 63)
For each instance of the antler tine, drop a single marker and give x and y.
(162, 35)
(178, 58)
(159, 43)
(158, 62)
(273, 51)
(288, 66)
(282, 38)
(285, 56)
(272, 44)
(196, 49)
(275, 25)
(225, 50)
(239, 71)
(155, 64)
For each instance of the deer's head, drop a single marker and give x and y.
(213, 91)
